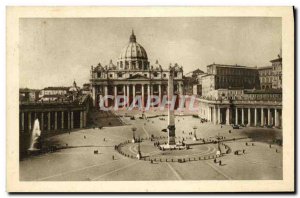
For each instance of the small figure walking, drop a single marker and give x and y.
(113, 157)
(103, 139)
(243, 151)
(220, 163)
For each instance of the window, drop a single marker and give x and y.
(98, 74)
(165, 75)
(130, 75)
(145, 75)
(120, 75)
(175, 74)
(155, 74)
(110, 75)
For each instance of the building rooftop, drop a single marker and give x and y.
(57, 88)
(231, 66)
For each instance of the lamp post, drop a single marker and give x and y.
(133, 134)
(218, 137)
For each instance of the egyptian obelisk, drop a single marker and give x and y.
(171, 117)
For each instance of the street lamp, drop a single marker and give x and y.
(195, 137)
(133, 134)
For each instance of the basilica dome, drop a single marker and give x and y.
(133, 56)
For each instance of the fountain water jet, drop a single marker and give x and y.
(35, 134)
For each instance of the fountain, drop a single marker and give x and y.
(35, 134)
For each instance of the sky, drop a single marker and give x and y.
(55, 52)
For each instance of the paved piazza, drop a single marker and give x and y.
(79, 162)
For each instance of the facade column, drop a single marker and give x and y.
(55, 120)
(29, 121)
(105, 94)
(159, 93)
(42, 121)
(81, 119)
(243, 116)
(149, 94)
(262, 117)
(124, 91)
(128, 96)
(62, 120)
(22, 121)
(115, 95)
(133, 95)
(269, 116)
(94, 95)
(49, 121)
(275, 117)
(249, 117)
(72, 121)
(227, 116)
(236, 116)
(143, 96)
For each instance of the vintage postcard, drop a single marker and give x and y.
(150, 99)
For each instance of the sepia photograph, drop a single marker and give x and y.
(106, 97)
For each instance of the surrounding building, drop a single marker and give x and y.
(271, 76)
(86, 89)
(132, 76)
(28, 95)
(231, 94)
(59, 93)
(220, 80)
(191, 82)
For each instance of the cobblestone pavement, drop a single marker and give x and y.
(79, 163)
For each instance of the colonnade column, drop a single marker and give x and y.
(55, 120)
(269, 116)
(275, 117)
(22, 121)
(69, 120)
(262, 117)
(49, 121)
(72, 122)
(42, 121)
(219, 116)
(84, 119)
(255, 117)
(249, 117)
(227, 115)
(81, 119)
(143, 96)
(215, 115)
(236, 116)
(29, 121)
(243, 116)
(62, 120)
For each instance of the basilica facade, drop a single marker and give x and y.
(133, 75)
